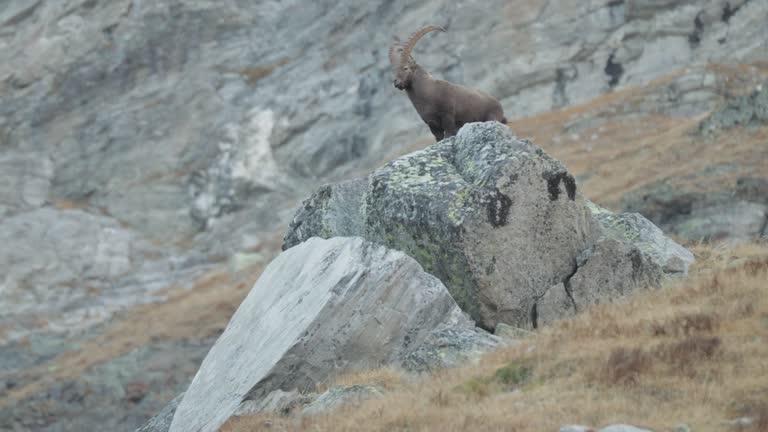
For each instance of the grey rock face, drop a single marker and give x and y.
(611, 269)
(495, 218)
(162, 421)
(623, 428)
(736, 216)
(322, 307)
(452, 343)
(635, 229)
(25, 180)
(744, 110)
(338, 396)
(277, 401)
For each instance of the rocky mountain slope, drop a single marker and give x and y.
(152, 152)
(497, 222)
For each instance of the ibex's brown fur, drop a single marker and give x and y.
(445, 107)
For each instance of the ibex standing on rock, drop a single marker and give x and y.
(445, 107)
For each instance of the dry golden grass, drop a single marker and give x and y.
(621, 148)
(694, 351)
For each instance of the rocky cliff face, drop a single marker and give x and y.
(144, 143)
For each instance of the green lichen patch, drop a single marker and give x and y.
(512, 376)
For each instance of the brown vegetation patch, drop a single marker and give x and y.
(618, 142)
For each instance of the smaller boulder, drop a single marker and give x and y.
(338, 396)
(278, 401)
(319, 309)
(161, 422)
(636, 230)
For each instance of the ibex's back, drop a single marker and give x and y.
(443, 106)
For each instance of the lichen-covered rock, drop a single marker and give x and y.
(320, 308)
(610, 270)
(635, 229)
(452, 343)
(278, 401)
(338, 396)
(744, 110)
(497, 220)
(161, 422)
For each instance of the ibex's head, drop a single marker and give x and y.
(400, 57)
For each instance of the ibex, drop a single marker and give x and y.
(445, 107)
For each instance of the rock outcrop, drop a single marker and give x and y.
(177, 131)
(499, 221)
(319, 309)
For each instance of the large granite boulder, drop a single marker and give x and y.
(495, 218)
(321, 308)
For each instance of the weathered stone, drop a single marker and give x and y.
(161, 422)
(635, 229)
(454, 342)
(576, 428)
(506, 331)
(743, 110)
(25, 180)
(320, 308)
(610, 270)
(623, 428)
(499, 222)
(494, 217)
(339, 396)
(734, 222)
(277, 401)
(735, 216)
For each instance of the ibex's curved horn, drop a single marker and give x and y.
(395, 52)
(415, 38)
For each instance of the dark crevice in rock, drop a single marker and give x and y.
(729, 11)
(614, 71)
(562, 77)
(698, 28)
(568, 288)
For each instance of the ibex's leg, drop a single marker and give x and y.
(437, 132)
(449, 126)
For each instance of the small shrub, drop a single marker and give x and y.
(513, 374)
(624, 366)
(506, 378)
(686, 325)
(688, 352)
